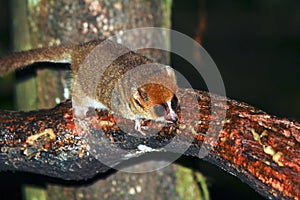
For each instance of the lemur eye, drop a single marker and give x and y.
(138, 103)
(143, 94)
(174, 102)
(160, 110)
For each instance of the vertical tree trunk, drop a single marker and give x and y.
(45, 23)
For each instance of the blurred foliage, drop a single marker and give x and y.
(190, 181)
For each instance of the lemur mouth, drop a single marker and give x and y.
(171, 118)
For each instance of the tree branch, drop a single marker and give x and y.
(260, 149)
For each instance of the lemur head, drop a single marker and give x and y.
(155, 102)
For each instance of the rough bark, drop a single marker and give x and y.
(260, 149)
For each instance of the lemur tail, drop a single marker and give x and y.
(59, 54)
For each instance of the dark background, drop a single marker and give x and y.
(256, 46)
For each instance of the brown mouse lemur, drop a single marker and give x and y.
(100, 76)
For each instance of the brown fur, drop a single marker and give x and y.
(101, 79)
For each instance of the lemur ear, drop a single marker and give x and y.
(170, 72)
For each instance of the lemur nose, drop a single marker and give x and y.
(171, 115)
